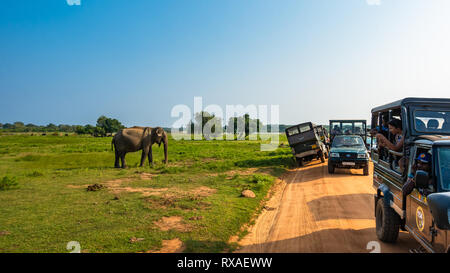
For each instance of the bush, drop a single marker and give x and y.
(7, 183)
(259, 178)
(35, 174)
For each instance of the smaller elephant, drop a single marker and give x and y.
(138, 138)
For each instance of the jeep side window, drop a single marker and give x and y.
(444, 167)
(421, 160)
(390, 140)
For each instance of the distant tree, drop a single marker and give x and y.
(51, 127)
(19, 126)
(89, 129)
(99, 131)
(108, 126)
(206, 124)
(8, 126)
(79, 129)
(65, 128)
(249, 126)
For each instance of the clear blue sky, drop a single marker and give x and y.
(135, 60)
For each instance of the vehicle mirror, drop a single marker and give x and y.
(421, 179)
(439, 204)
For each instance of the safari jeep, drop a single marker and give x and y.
(306, 141)
(425, 212)
(348, 151)
(348, 127)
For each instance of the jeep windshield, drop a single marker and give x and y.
(347, 128)
(444, 167)
(347, 141)
(432, 121)
(302, 128)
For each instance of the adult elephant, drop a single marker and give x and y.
(138, 138)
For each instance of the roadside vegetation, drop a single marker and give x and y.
(57, 189)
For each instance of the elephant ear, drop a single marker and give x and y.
(155, 134)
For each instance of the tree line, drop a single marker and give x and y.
(105, 126)
(241, 126)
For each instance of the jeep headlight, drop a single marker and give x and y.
(364, 155)
(334, 154)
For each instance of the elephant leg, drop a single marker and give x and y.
(122, 158)
(116, 161)
(150, 156)
(143, 156)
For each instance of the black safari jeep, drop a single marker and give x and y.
(308, 141)
(423, 163)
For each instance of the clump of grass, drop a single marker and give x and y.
(35, 174)
(7, 183)
(259, 178)
(172, 170)
(29, 158)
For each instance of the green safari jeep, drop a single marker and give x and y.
(350, 152)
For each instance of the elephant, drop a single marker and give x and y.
(138, 138)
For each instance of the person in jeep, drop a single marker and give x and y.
(423, 163)
(395, 127)
(336, 130)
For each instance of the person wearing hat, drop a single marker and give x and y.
(423, 163)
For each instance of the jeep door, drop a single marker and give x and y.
(419, 218)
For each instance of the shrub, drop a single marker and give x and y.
(35, 174)
(259, 178)
(7, 183)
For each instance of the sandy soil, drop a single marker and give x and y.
(314, 211)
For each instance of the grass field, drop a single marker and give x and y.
(195, 198)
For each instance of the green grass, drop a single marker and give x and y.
(46, 204)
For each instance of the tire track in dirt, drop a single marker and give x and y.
(318, 212)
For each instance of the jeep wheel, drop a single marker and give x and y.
(366, 170)
(299, 162)
(387, 222)
(330, 167)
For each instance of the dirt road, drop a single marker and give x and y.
(313, 211)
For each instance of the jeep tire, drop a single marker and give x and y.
(330, 167)
(387, 222)
(366, 170)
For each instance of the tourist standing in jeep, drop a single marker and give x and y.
(412, 177)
